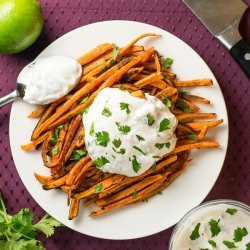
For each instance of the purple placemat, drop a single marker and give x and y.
(173, 16)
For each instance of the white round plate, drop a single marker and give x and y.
(162, 211)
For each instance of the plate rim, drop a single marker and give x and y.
(212, 74)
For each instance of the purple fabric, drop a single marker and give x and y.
(173, 16)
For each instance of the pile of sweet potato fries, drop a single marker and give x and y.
(60, 132)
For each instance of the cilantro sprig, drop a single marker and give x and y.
(55, 137)
(101, 161)
(135, 164)
(167, 62)
(102, 138)
(161, 145)
(106, 112)
(164, 125)
(18, 231)
(229, 244)
(123, 128)
(139, 149)
(150, 120)
(214, 227)
(231, 211)
(78, 154)
(195, 233)
(239, 233)
(125, 106)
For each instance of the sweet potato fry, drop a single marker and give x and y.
(55, 183)
(196, 99)
(148, 80)
(74, 208)
(93, 54)
(197, 126)
(139, 94)
(38, 112)
(195, 116)
(197, 82)
(42, 179)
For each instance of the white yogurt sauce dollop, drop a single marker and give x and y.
(221, 226)
(127, 135)
(50, 78)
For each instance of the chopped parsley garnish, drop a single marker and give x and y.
(106, 112)
(125, 106)
(229, 244)
(92, 129)
(183, 94)
(167, 101)
(164, 125)
(112, 62)
(55, 150)
(101, 161)
(138, 149)
(150, 120)
(239, 233)
(231, 211)
(167, 62)
(185, 107)
(115, 53)
(157, 157)
(192, 137)
(135, 164)
(123, 128)
(83, 111)
(78, 154)
(102, 138)
(161, 145)
(98, 188)
(212, 243)
(195, 233)
(105, 68)
(140, 138)
(113, 156)
(121, 151)
(55, 136)
(85, 99)
(248, 246)
(135, 195)
(117, 142)
(153, 166)
(214, 227)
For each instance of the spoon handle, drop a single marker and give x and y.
(8, 98)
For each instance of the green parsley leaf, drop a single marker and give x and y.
(135, 195)
(121, 151)
(101, 161)
(55, 150)
(167, 62)
(229, 244)
(92, 129)
(135, 164)
(19, 233)
(115, 53)
(138, 149)
(231, 211)
(98, 188)
(102, 138)
(125, 106)
(153, 166)
(123, 128)
(85, 99)
(78, 154)
(167, 101)
(106, 112)
(150, 120)
(195, 233)
(112, 62)
(117, 142)
(183, 93)
(164, 125)
(192, 137)
(83, 111)
(248, 246)
(212, 243)
(55, 137)
(140, 138)
(214, 227)
(185, 107)
(239, 233)
(47, 225)
(105, 68)
(161, 145)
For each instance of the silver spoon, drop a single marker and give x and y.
(73, 73)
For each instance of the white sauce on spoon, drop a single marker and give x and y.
(127, 135)
(48, 79)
